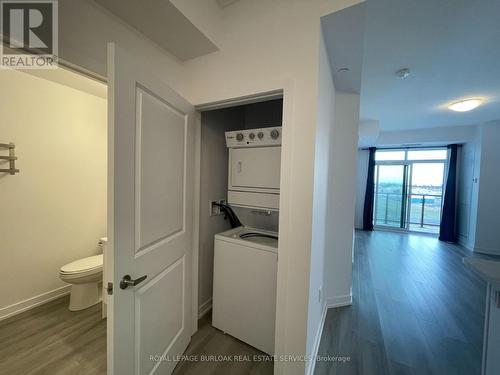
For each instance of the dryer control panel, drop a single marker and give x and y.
(254, 137)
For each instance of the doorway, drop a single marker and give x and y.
(53, 222)
(408, 192)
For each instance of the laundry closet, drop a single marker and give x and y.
(240, 165)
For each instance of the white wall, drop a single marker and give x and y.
(85, 28)
(361, 176)
(430, 136)
(341, 201)
(487, 238)
(53, 211)
(465, 186)
(478, 213)
(322, 161)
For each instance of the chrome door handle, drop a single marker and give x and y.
(128, 281)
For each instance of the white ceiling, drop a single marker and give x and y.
(71, 79)
(163, 23)
(343, 32)
(225, 3)
(452, 48)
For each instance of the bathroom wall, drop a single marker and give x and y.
(54, 211)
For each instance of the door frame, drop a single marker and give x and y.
(220, 104)
(279, 89)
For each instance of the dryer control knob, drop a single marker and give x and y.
(251, 135)
(239, 136)
(260, 135)
(275, 134)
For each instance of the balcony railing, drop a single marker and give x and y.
(424, 210)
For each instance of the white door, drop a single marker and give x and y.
(150, 227)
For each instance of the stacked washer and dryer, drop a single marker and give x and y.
(246, 258)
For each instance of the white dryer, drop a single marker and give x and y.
(254, 167)
(244, 295)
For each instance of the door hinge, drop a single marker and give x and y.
(109, 288)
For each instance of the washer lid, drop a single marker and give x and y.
(251, 237)
(260, 238)
(85, 264)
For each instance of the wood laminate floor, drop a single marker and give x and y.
(210, 341)
(51, 340)
(416, 310)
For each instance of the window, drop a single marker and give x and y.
(409, 188)
(389, 155)
(427, 154)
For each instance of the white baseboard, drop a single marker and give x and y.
(317, 339)
(204, 308)
(331, 302)
(484, 250)
(27, 304)
(339, 301)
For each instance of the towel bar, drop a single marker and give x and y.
(11, 158)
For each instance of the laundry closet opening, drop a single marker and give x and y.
(240, 161)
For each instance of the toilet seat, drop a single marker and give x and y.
(83, 267)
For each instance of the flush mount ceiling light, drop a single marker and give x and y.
(343, 70)
(465, 105)
(402, 73)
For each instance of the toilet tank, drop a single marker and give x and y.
(102, 244)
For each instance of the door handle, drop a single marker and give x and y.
(128, 281)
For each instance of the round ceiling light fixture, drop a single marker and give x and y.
(403, 73)
(343, 70)
(465, 105)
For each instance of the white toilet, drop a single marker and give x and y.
(84, 275)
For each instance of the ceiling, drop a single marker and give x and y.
(343, 32)
(68, 78)
(450, 46)
(225, 3)
(164, 24)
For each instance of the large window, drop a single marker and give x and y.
(409, 188)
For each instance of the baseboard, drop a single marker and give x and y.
(484, 250)
(317, 339)
(339, 301)
(204, 308)
(27, 304)
(331, 302)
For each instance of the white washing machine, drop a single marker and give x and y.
(244, 296)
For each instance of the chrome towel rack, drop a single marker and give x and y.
(11, 158)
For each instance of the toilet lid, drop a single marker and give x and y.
(85, 264)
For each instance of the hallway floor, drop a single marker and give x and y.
(51, 340)
(416, 310)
